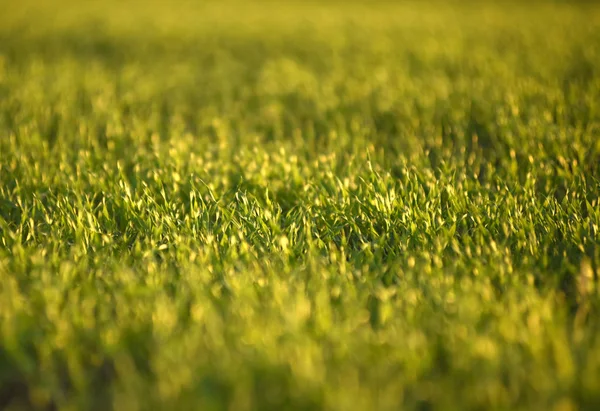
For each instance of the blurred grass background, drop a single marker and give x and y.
(299, 205)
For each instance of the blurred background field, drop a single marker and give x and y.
(299, 205)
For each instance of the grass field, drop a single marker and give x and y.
(299, 206)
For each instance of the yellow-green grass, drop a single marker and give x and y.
(299, 205)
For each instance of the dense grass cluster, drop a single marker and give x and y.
(301, 206)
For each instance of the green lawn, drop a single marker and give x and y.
(299, 206)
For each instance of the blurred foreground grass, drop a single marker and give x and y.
(265, 206)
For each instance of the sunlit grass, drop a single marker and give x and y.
(299, 206)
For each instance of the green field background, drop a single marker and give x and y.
(299, 205)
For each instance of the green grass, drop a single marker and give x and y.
(299, 206)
